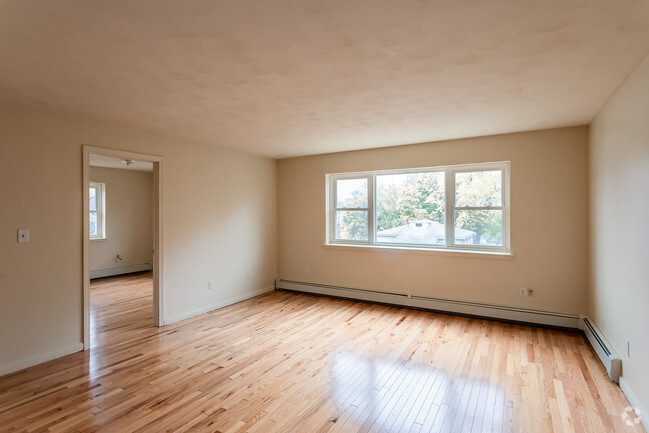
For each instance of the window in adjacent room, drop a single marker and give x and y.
(456, 207)
(97, 209)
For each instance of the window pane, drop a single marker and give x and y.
(93, 199)
(478, 188)
(411, 208)
(351, 193)
(479, 227)
(351, 225)
(93, 224)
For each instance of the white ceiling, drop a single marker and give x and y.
(108, 162)
(294, 77)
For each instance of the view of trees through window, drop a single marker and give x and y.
(352, 224)
(480, 189)
(401, 198)
(411, 208)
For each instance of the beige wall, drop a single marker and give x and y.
(619, 295)
(218, 216)
(129, 228)
(549, 229)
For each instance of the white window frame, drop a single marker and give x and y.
(449, 181)
(100, 200)
(369, 209)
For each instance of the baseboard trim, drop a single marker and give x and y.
(14, 366)
(121, 270)
(634, 402)
(474, 309)
(212, 307)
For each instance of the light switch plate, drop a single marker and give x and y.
(23, 235)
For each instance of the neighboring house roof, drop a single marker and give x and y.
(423, 232)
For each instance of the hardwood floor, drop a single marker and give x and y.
(285, 362)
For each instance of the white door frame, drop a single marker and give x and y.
(158, 318)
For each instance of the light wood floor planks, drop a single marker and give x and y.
(286, 362)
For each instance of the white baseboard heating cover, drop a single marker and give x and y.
(437, 304)
(100, 273)
(611, 360)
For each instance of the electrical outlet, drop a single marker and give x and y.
(210, 285)
(307, 271)
(524, 292)
(23, 235)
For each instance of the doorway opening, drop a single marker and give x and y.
(122, 239)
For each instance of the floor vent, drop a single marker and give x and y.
(474, 309)
(611, 360)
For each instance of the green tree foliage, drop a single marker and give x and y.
(353, 223)
(397, 204)
(488, 224)
(480, 189)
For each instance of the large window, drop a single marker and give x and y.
(458, 207)
(97, 209)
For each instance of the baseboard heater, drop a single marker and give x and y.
(603, 349)
(611, 360)
(121, 270)
(475, 309)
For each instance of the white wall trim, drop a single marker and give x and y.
(225, 303)
(39, 359)
(100, 273)
(477, 309)
(633, 401)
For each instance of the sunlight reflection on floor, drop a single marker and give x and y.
(400, 396)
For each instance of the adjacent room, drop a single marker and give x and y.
(124, 186)
(324, 216)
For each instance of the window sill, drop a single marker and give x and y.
(449, 251)
(98, 240)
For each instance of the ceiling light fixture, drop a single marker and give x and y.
(128, 161)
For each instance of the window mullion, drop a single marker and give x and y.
(479, 208)
(450, 206)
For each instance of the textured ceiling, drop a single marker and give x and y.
(295, 77)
